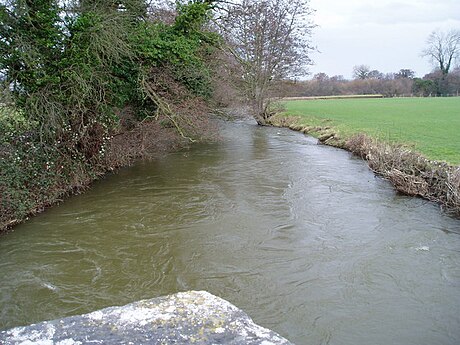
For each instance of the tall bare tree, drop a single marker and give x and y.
(443, 48)
(270, 40)
(361, 72)
(405, 73)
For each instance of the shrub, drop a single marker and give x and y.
(70, 75)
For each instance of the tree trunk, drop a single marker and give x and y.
(258, 110)
(261, 120)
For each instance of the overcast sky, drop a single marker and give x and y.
(385, 35)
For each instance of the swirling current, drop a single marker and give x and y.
(302, 237)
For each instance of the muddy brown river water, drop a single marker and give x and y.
(303, 237)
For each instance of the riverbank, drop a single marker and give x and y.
(53, 182)
(409, 172)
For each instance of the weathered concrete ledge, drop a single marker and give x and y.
(194, 317)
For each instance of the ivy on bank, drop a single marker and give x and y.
(67, 69)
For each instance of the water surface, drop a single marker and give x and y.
(301, 236)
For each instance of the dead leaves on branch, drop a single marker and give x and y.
(175, 106)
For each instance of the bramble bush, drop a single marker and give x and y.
(70, 68)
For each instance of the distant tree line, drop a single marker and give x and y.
(443, 50)
(367, 81)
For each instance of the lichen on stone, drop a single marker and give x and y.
(194, 317)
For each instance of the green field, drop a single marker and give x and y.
(430, 125)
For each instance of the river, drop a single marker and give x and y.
(303, 237)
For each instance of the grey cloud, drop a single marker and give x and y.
(404, 12)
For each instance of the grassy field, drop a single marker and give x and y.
(430, 125)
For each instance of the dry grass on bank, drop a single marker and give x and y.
(409, 172)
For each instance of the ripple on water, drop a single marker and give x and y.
(301, 236)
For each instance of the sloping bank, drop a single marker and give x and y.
(194, 317)
(409, 172)
(33, 177)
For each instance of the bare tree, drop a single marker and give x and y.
(443, 48)
(405, 73)
(270, 40)
(361, 72)
(375, 74)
